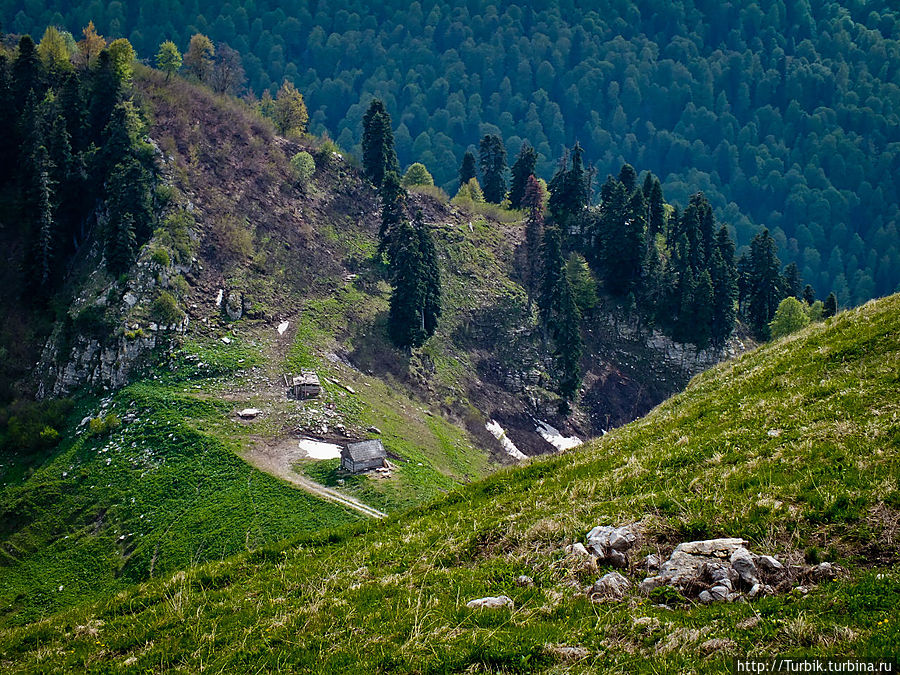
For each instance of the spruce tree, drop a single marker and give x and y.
(625, 241)
(121, 244)
(552, 270)
(764, 291)
(379, 156)
(725, 288)
(684, 329)
(647, 187)
(809, 295)
(569, 190)
(493, 168)
(522, 169)
(657, 210)
(430, 276)
(792, 281)
(105, 88)
(393, 212)
(533, 202)
(568, 343)
(406, 320)
(8, 114)
(468, 169)
(703, 311)
(628, 178)
(44, 226)
(27, 73)
(653, 284)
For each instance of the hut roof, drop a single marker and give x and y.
(308, 377)
(364, 450)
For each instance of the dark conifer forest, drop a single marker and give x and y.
(784, 113)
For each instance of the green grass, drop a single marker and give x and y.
(162, 492)
(793, 445)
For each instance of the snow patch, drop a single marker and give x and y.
(498, 433)
(283, 326)
(219, 297)
(555, 438)
(320, 449)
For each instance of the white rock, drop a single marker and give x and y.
(490, 602)
(719, 593)
(249, 413)
(721, 548)
(612, 585)
(622, 539)
(577, 549)
(769, 564)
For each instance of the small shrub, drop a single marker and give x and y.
(174, 235)
(236, 239)
(165, 311)
(134, 334)
(666, 595)
(94, 322)
(304, 167)
(160, 257)
(100, 426)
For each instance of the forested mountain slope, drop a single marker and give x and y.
(784, 113)
(793, 447)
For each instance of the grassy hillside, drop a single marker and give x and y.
(794, 446)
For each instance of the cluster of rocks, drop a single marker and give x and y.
(609, 545)
(712, 570)
(719, 569)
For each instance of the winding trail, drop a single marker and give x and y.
(278, 460)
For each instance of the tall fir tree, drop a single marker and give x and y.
(533, 202)
(628, 178)
(431, 276)
(656, 210)
(703, 311)
(121, 243)
(393, 212)
(568, 344)
(765, 282)
(792, 283)
(468, 169)
(522, 170)
(569, 190)
(379, 156)
(105, 90)
(809, 295)
(405, 321)
(492, 159)
(27, 73)
(415, 304)
(725, 288)
(44, 226)
(552, 270)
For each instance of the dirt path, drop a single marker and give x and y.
(278, 460)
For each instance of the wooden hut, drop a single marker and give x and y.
(363, 456)
(305, 385)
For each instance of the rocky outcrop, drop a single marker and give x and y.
(97, 364)
(711, 570)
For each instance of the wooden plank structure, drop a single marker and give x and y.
(304, 385)
(363, 456)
